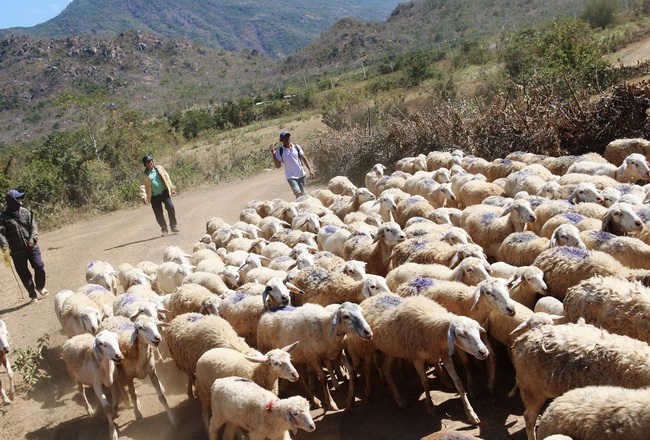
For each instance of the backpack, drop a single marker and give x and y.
(297, 149)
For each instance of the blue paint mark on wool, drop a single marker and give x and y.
(389, 300)
(282, 309)
(330, 228)
(194, 317)
(571, 252)
(488, 218)
(94, 287)
(421, 283)
(418, 245)
(418, 233)
(506, 161)
(522, 237)
(282, 258)
(237, 298)
(623, 188)
(91, 264)
(412, 200)
(128, 298)
(573, 217)
(643, 212)
(601, 236)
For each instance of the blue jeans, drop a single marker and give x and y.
(35, 260)
(157, 203)
(298, 185)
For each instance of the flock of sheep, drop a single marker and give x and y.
(446, 257)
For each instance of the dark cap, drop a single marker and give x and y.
(146, 159)
(283, 134)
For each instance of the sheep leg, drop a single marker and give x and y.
(388, 362)
(190, 382)
(352, 373)
(155, 381)
(134, 396)
(424, 380)
(230, 431)
(469, 411)
(533, 405)
(215, 425)
(491, 363)
(89, 409)
(10, 374)
(333, 376)
(326, 389)
(471, 385)
(315, 403)
(108, 409)
(442, 375)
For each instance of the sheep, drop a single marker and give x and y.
(629, 251)
(412, 164)
(332, 238)
(502, 168)
(323, 287)
(170, 275)
(621, 219)
(100, 296)
(305, 221)
(560, 165)
(270, 225)
(263, 369)
(619, 306)
(470, 271)
(239, 402)
(135, 339)
(79, 314)
(4, 360)
(320, 331)
(427, 251)
(565, 266)
(598, 413)
(243, 311)
(205, 242)
(192, 334)
(176, 254)
(262, 207)
(377, 253)
(103, 274)
(550, 305)
(583, 354)
(385, 206)
(130, 304)
(437, 194)
(489, 227)
(617, 150)
(438, 159)
(388, 182)
(90, 361)
(213, 225)
(207, 254)
(585, 192)
(550, 208)
(341, 185)
(521, 248)
(284, 210)
(250, 216)
(634, 167)
(475, 191)
(193, 298)
(417, 329)
(326, 196)
(581, 223)
(526, 284)
(129, 275)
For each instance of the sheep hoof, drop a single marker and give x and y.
(473, 418)
(332, 407)
(315, 404)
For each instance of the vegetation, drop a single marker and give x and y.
(544, 90)
(28, 360)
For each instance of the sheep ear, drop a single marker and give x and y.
(378, 201)
(292, 422)
(97, 352)
(380, 234)
(458, 274)
(134, 337)
(135, 315)
(606, 225)
(450, 339)
(558, 319)
(621, 170)
(335, 322)
(553, 242)
(454, 261)
(293, 288)
(513, 281)
(573, 195)
(289, 348)
(257, 359)
(508, 209)
(477, 296)
(265, 294)
(523, 326)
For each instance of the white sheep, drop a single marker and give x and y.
(412, 164)
(135, 340)
(559, 165)
(132, 303)
(617, 150)
(475, 191)
(621, 219)
(524, 181)
(208, 254)
(193, 298)
(263, 369)
(581, 222)
(250, 216)
(385, 206)
(239, 402)
(565, 266)
(526, 284)
(213, 225)
(470, 271)
(128, 275)
(5, 348)
(419, 330)
(585, 192)
(629, 251)
(488, 226)
(437, 194)
(598, 413)
(550, 305)
(551, 360)
(100, 296)
(569, 235)
(634, 167)
(502, 168)
(213, 282)
(270, 225)
(376, 254)
(521, 248)
(619, 306)
(320, 331)
(341, 185)
(192, 334)
(320, 286)
(79, 314)
(176, 254)
(90, 361)
(103, 274)
(344, 207)
(170, 275)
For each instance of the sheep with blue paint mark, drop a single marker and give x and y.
(376, 254)
(102, 273)
(629, 251)
(470, 271)
(565, 266)
(581, 222)
(521, 248)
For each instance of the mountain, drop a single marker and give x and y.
(274, 28)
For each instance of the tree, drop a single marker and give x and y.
(601, 13)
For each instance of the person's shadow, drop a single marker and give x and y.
(133, 242)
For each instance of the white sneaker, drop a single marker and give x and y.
(33, 300)
(44, 292)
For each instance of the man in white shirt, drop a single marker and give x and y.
(293, 158)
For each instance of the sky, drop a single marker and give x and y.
(26, 13)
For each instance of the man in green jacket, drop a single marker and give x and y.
(158, 188)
